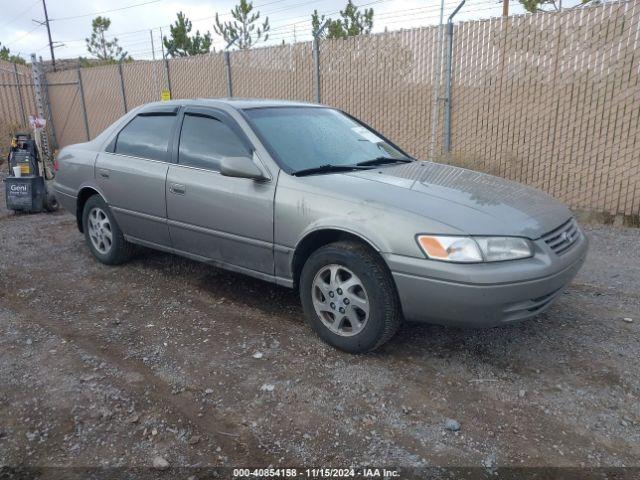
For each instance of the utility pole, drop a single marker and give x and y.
(46, 21)
(505, 8)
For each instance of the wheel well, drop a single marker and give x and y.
(83, 196)
(313, 241)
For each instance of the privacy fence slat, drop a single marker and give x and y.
(64, 98)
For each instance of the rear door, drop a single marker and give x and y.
(132, 175)
(221, 219)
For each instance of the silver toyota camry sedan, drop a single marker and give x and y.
(311, 198)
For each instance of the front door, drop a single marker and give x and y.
(132, 174)
(224, 220)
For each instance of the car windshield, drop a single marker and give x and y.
(308, 138)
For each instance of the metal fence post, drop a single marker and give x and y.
(227, 64)
(166, 69)
(447, 112)
(316, 68)
(435, 113)
(83, 105)
(122, 90)
(316, 57)
(19, 87)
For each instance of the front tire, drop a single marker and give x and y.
(102, 233)
(349, 297)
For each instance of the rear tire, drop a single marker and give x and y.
(102, 233)
(52, 204)
(349, 297)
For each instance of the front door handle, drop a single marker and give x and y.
(177, 188)
(104, 173)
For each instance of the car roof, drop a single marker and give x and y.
(237, 103)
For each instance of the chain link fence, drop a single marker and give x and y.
(385, 80)
(551, 100)
(200, 76)
(65, 104)
(17, 101)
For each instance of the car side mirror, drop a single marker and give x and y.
(240, 167)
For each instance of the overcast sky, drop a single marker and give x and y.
(131, 20)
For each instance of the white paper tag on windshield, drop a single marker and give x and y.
(367, 135)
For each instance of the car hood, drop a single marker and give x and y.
(472, 202)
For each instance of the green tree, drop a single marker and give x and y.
(534, 6)
(181, 44)
(5, 54)
(244, 30)
(98, 45)
(353, 22)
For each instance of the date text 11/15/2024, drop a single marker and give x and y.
(315, 473)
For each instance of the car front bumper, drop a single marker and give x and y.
(484, 295)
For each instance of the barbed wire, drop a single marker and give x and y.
(293, 31)
(289, 31)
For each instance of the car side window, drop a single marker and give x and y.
(205, 140)
(146, 136)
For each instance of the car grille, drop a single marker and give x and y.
(563, 238)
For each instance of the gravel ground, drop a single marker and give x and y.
(165, 357)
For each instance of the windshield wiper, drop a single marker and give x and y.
(328, 168)
(382, 161)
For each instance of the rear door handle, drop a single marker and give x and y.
(177, 188)
(104, 173)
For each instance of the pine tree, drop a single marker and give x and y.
(181, 44)
(100, 47)
(243, 31)
(5, 54)
(353, 22)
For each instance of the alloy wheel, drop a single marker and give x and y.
(340, 300)
(100, 231)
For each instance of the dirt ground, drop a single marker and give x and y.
(114, 366)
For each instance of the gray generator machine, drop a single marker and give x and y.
(25, 187)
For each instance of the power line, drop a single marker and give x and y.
(377, 16)
(104, 11)
(374, 2)
(430, 16)
(383, 16)
(4, 24)
(285, 31)
(210, 17)
(23, 36)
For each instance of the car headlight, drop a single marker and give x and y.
(496, 249)
(474, 249)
